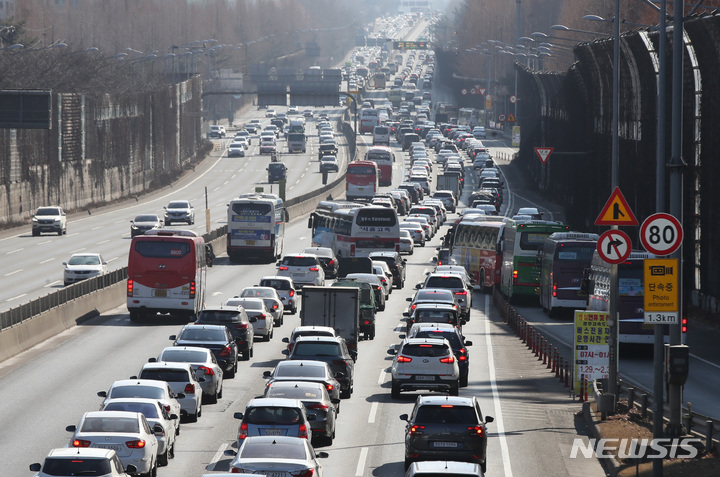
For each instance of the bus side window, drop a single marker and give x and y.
(539, 256)
(586, 285)
(311, 219)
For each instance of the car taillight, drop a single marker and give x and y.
(292, 293)
(302, 431)
(464, 292)
(463, 355)
(554, 290)
(227, 351)
(283, 268)
(416, 430)
(331, 262)
(243, 433)
(303, 473)
(476, 430)
(352, 249)
(80, 443)
(383, 280)
(130, 286)
(329, 387)
(167, 407)
(378, 287)
(448, 359)
(366, 322)
(314, 269)
(515, 275)
(139, 444)
(317, 407)
(404, 359)
(241, 326)
(193, 289)
(412, 307)
(206, 370)
(439, 262)
(189, 388)
(261, 316)
(275, 307)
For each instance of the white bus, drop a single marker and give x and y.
(384, 158)
(354, 230)
(256, 227)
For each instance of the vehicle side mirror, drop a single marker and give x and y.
(468, 343)
(392, 351)
(252, 319)
(339, 375)
(286, 340)
(322, 455)
(285, 352)
(201, 380)
(267, 374)
(71, 428)
(463, 322)
(489, 419)
(152, 360)
(102, 394)
(419, 286)
(406, 313)
(402, 337)
(311, 417)
(279, 263)
(173, 337)
(238, 415)
(180, 396)
(173, 416)
(35, 467)
(133, 377)
(130, 469)
(335, 401)
(404, 417)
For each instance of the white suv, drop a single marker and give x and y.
(303, 268)
(49, 219)
(285, 289)
(426, 364)
(179, 211)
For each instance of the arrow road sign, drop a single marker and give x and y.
(614, 246)
(501, 117)
(544, 152)
(616, 211)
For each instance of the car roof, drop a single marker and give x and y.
(434, 326)
(140, 382)
(435, 306)
(186, 348)
(319, 251)
(275, 402)
(449, 400)
(301, 362)
(167, 364)
(81, 452)
(313, 328)
(193, 326)
(276, 277)
(114, 414)
(320, 339)
(442, 467)
(430, 341)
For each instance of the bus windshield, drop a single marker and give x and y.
(361, 170)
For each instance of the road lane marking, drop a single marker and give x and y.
(218, 455)
(14, 272)
(104, 241)
(217, 293)
(43, 243)
(360, 470)
(98, 227)
(46, 261)
(373, 412)
(78, 250)
(14, 251)
(111, 259)
(52, 284)
(381, 379)
(16, 297)
(496, 394)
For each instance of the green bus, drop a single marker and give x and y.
(520, 272)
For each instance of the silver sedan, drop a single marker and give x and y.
(272, 300)
(203, 362)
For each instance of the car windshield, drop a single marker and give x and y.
(424, 350)
(251, 304)
(218, 316)
(316, 349)
(276, 450)
(110, 424)
(183, 356)
(258, 292)
(47, 212)
(451, 336)
(434, 316)
(434, 295)
(168, 375)
(178, 205)
(299, 261)
(276, 284)
(300, 371)
(84, 260)
(272, 415)
(147, 218)
(444, 282)
(302, 391)
(202, 334)
(76, 466)
(148, 410)
(446, 414)
(150, 392)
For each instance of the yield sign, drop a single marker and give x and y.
(481, 90)
(544, 152)
(616, 211)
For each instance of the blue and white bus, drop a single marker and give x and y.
(256, 227)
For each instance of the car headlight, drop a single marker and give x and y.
(34, 219)
(134, 227)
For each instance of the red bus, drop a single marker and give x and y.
(361, 180)
(166, 273)
(476, 247)
(384, 158)
(369, 118)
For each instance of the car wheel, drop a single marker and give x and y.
(408, 462)
(211, 399)
(193, 417)
(395, 390)
(134, 315)
(230, 373)
(163, 458)
(455, 389)
(220, 391)
(464, 381)
(246, 354)
(252, 351)
(60, 232)
(345, 393)
(171, 455)
(483, 466)
(294, 311)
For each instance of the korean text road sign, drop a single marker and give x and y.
(616, 211)
(661, 234)
(544, 153)
(661, 290)
(591, 350)
(614, 246)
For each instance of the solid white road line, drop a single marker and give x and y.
(381, 379)
(16, 297)
(360, 470)
(14, 272)
(218, 455)
(373, 412)
(496, 395)
(14, 251)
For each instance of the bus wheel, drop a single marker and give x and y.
(135, 316)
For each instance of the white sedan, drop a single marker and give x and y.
(82, 266)
(128, 433)
(407, 244)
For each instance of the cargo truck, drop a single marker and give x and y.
(449, 182)
(337, 307)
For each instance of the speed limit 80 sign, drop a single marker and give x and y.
(661, 234)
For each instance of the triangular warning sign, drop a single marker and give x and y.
(544, 152)
(510, 118)
(616, 211)
(481, 90)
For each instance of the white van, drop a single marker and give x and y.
(381, 136)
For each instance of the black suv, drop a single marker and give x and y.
(216, 338)
(236, 321)
(277, 171)
(328, 149)
(396, 264)
(333, 351)
(446, 428)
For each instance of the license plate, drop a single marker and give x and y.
(298, 275)
(250, 242)
(445, 444)
(115, 448)
(161, 293)
(424, 378)
(272, 432)
(277, 474)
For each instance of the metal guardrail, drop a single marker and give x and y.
(18, 314)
